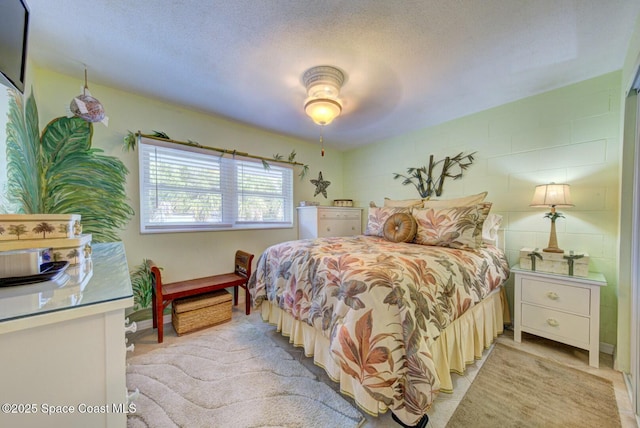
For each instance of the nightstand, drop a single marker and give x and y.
(559, 307)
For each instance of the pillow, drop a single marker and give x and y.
(377, 217)
(483, 214)
(402, 203)
(399, 227)
(458, 202)
(490, 229)
(457, 227)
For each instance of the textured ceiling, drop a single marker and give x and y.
(409, 63)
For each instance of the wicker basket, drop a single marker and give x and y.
(195, 313)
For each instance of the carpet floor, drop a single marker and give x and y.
(445, 404)
(518, 389)
(231, 375)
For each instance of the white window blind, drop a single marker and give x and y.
(185, 189)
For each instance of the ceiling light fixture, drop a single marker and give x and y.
(323, 85)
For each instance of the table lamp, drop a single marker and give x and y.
(552, 195)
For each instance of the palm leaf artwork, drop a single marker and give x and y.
(23, 160)
(59, 173)
(142, 285)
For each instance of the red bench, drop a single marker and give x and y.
(163, 294)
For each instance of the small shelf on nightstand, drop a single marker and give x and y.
(559, 307)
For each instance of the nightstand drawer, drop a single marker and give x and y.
(339, 214)
(328, 228)
(559, 324)
(556, 296)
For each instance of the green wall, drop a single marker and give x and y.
(185, 255)
(569, 135)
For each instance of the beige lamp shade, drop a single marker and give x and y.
(552, 195)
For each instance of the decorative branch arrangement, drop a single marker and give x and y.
(131, 139)
(423, 178)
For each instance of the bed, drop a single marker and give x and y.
(388, 319)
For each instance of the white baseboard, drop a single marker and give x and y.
(144, 324)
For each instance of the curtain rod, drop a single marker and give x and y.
(215, 149)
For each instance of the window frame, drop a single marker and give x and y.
(228, 189)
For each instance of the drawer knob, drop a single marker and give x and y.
(133, 396)
(552, 322)
(131, 328)
(552, 295)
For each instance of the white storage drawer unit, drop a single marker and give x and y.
(63, 344)
(559, 307)
(320, 222)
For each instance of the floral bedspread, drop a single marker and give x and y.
(381, 304)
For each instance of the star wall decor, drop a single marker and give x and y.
(321, 185)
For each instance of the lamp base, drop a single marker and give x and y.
(553, 240)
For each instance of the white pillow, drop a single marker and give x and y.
(490, 229)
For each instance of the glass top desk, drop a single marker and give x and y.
(100, 283)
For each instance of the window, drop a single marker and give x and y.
(186, 189)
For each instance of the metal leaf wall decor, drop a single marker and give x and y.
(427, 183)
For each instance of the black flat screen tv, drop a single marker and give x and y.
(14, 29)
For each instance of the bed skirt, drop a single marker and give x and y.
(460, 344)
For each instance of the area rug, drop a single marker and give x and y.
(517, 389)
(231, 375)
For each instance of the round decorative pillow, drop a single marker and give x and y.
(400, 227)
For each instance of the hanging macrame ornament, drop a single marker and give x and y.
(88, 108)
